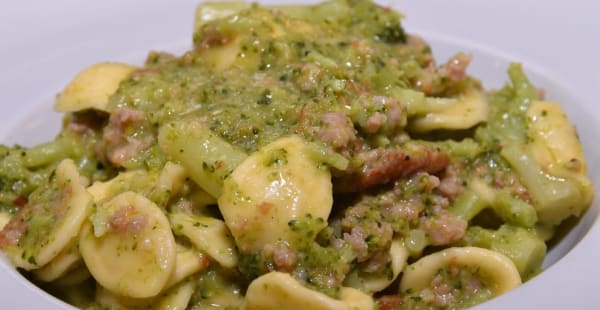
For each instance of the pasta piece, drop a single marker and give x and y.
(187, 263)
(92, 87)
(277, 184)
(209, 11)
(554, 197)
(102, 191)
(176, 298)
(497, 272)
(556, 148)
(47, 234)
(170, 182)
(274, 289)
(135, 256)
(464, 113)
(208, 235)
(108, 300)
(207, 158)
(65, 261)
(218, 289)
(554, 139)
(370, 283)
(356, 299)
(4, 219)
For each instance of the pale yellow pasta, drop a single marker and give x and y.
(371, 283)
(176, 298)
(74, 205)
(91, 88)
(274, 289)
(462, 113)
(65, 261)
(213, 10)
(277, 184)
(554, 140)
(102, 191)
(138, 234)
(4, 219)
(187, 262)
(209, 235)
(497, 271)
(556, 148)
(171, 178)
(356, 299)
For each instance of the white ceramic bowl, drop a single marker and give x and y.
(44, 44)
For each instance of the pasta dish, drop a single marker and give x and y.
(311, 157)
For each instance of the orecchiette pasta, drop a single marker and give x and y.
(138, 234)
(91, 88)
(370, 283)
(277, 184)
(48, 234)
(496, 271)
(58, 266)
(297, 157)
(461, 113)
(208, 235)
(274, 289)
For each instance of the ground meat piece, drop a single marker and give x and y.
(451, 184)
(443, 293)
(126, 221)
(284, 258)
(389, 302)
(435, 81)
(382, 165)
(378, 114)
(13, 231)
(456, 67)
(310, 74)
(377, 262)
(210, 36)
(443, 227)
(336, 130)
(511, 182)
(356, 240)
(120, 145)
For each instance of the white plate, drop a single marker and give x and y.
(45, 43)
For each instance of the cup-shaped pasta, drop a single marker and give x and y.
(276, 289)
(4, 219)
(135, 255)
(558, 152)
(63, 262)
(188, 262)
(461, 113)
(50, 221)
(493, 272)
(175, 298)
(124, 181)
(209, 235)
(276, 185)
(91, 88)
(376, 283)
